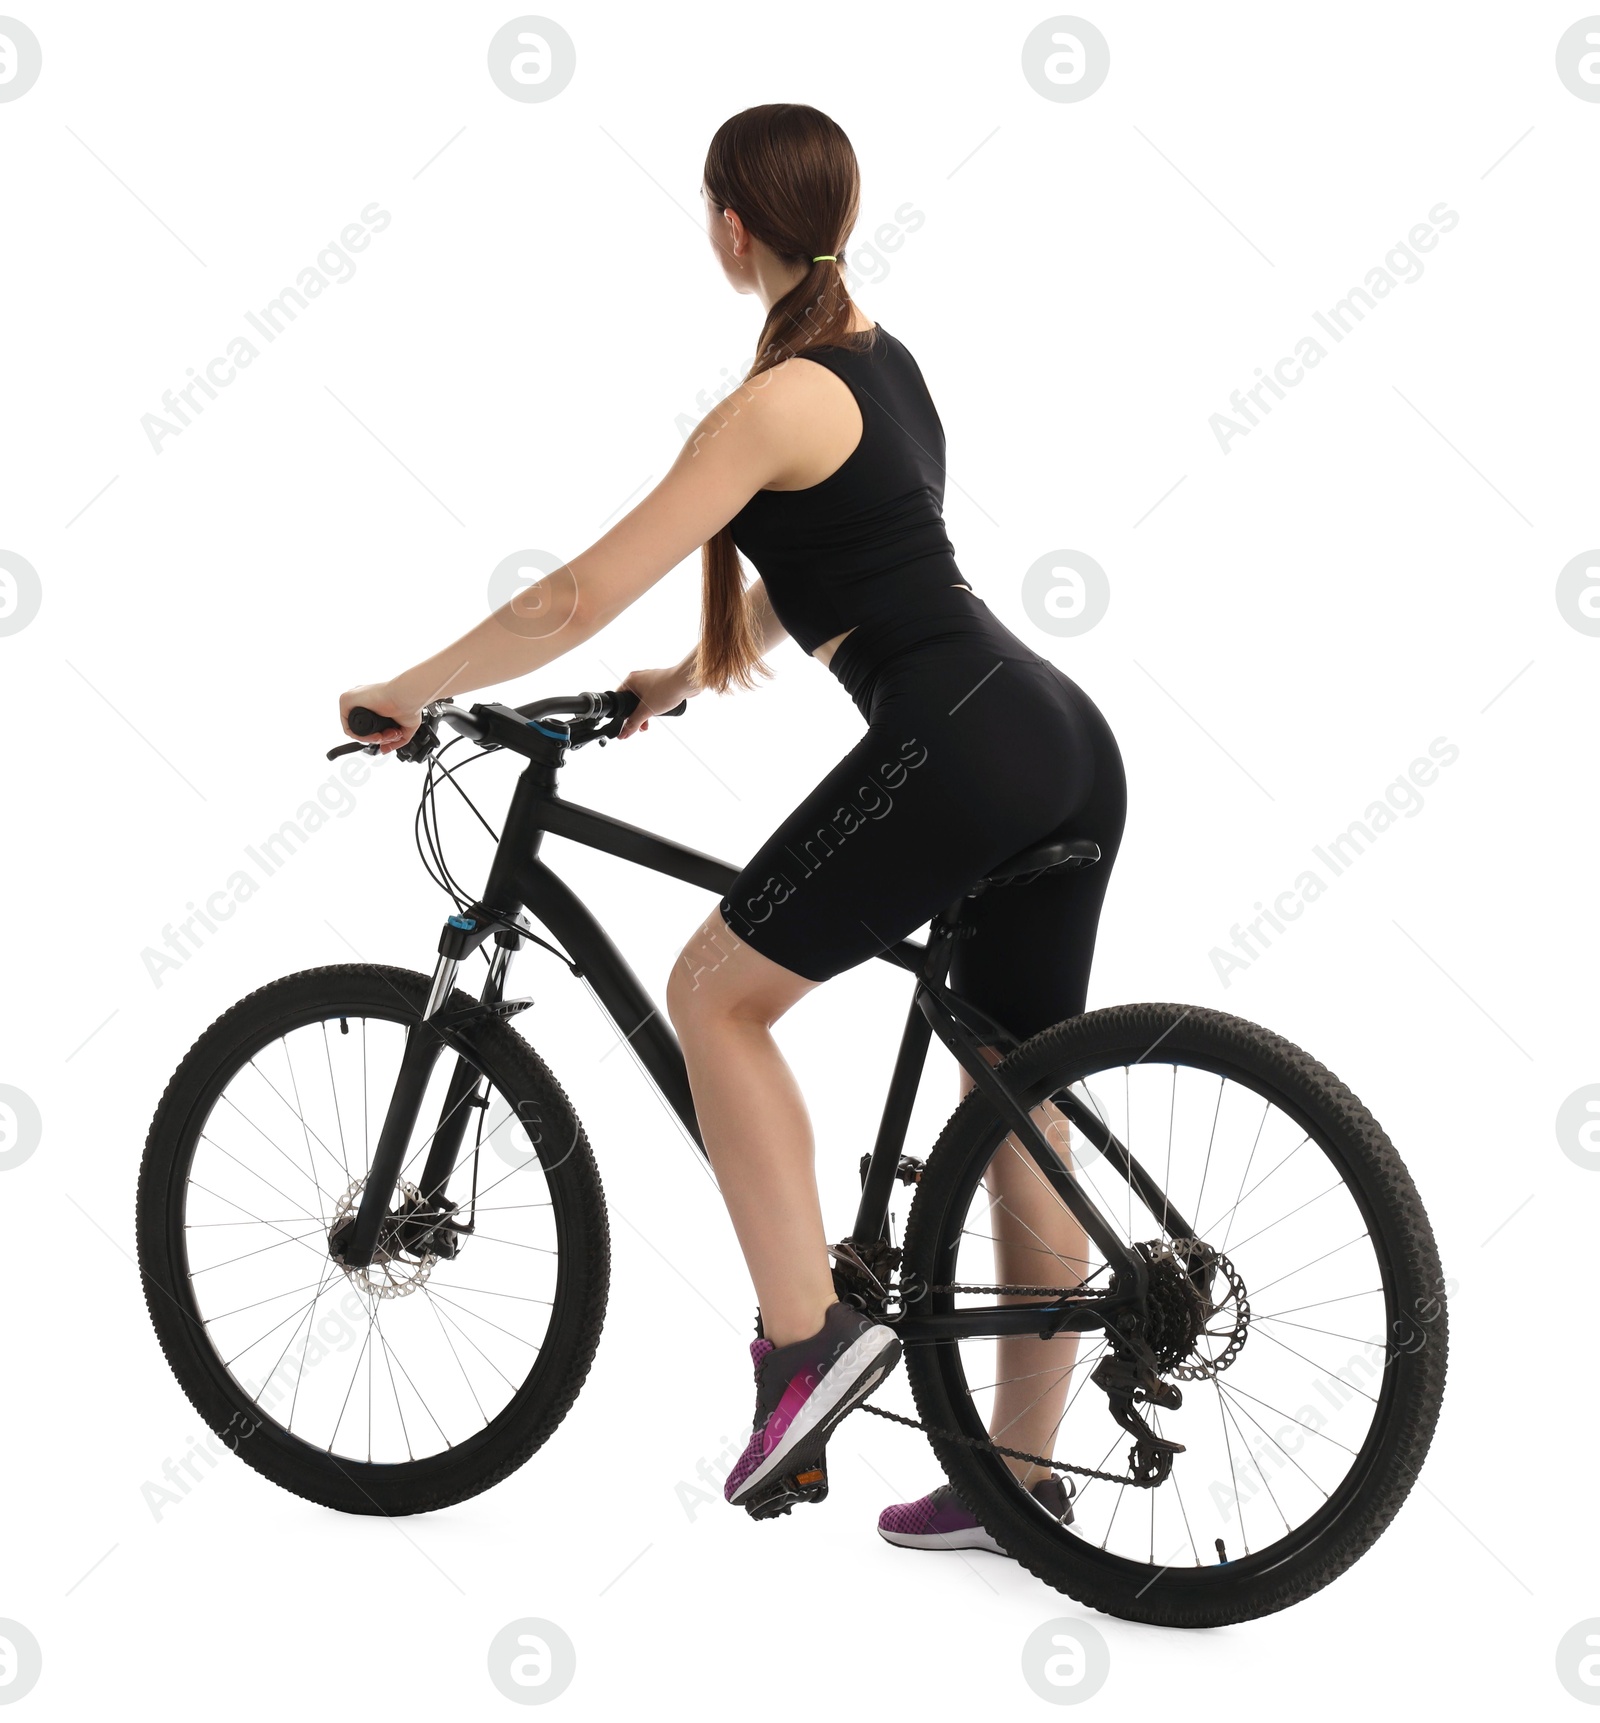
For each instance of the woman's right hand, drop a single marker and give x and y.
(386, 700)
(658, 691)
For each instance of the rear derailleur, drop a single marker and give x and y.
(1147, 1344)
(1128, 1382)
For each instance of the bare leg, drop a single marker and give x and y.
(1038, 1242)
(723, 999)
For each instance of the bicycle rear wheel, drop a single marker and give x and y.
(429, 1376)
(1310, 1391)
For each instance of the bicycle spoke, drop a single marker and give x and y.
(293, 1316)
(491, 1292)
(271, 1376)
(300, 1373)
(1008, 1381)
(1266, 1113)
(392, 1352)
(1177, 1490)
(212, 1267)
(320, 1219)
(1232, 1470)
(1223, 1390)
(1234, 1388)
(333, 1091)
(1321, 1369)
(1314, 1261)
(196, 1186)
(454, 1353)
(394, 1388)
(1337, 1185)
(310, 1135)
(1332, 1333)
(345, 1403)
(271, 1298)
(294, 1083)
(1206, 1231)
(477, 1348)
(1244, 1443)
(1343, 1298)
(212, 1225)
(488, 1238)
(1222, 1083)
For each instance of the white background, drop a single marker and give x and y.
(1371, 568)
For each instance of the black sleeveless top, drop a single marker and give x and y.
(867, 545)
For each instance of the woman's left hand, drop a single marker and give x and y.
(658, 691)
(387, 702)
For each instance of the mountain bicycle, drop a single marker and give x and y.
(374, 1242)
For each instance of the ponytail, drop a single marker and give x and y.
(791, 174)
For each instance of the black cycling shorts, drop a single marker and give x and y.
(975, 748)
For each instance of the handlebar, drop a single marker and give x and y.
(591, 717)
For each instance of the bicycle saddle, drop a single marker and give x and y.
(1053, 854)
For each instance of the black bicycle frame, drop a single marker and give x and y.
(519, 880)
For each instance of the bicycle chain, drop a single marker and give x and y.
(1003, 1291)
(1187, 1373)
(983, 1441)
(1010, 1453)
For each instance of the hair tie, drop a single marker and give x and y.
(828, 259)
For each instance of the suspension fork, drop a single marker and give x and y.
(423, 1046)
(519, 839)
(457, 1107)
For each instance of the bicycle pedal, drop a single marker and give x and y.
(809, 1484)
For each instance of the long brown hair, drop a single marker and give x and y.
(789, 173)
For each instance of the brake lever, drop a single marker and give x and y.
(423, 741)
(613, 728)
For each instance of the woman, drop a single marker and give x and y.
(826, 468)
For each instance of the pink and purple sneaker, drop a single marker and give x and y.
(939, 1521)
(803, 1390)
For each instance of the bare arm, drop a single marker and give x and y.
(731, 457)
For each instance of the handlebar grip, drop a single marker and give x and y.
(365, 723)
(627, 702)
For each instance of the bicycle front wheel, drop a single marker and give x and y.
(1311, 1377)
(439, 1369)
